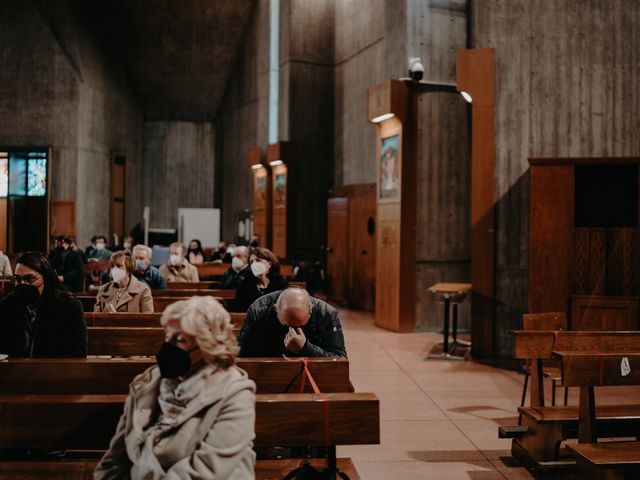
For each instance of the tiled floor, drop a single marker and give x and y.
(439, 420)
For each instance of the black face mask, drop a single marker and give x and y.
(173, 361)
(26, 294)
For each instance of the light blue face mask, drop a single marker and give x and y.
(141, 265)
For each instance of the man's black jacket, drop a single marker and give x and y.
(61, 330)
(262, 335)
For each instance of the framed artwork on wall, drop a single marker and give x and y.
(389, 174)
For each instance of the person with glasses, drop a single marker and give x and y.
(40, 318)
(124, 293)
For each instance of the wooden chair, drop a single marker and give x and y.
(553, 321)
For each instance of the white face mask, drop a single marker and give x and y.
(127, 245)
(175, 260)
(259, 268)
(117, 274)
(100, 246)
(237, 263)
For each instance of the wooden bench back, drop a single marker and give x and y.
(87, 422)
(599, 369)
(228, 294)
(193, 285)
(159, 303)
(113, 376)
(125, 341)
(545, 321)
(218, 269)
(540, 345)
(101, 319)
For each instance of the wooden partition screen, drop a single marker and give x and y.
(261, 197)
(476, 76)
(390, 110)
(584, 240)
(280, 159)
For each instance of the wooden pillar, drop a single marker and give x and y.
(476, 77)
(261, 196)
(280, 158)
(390, 110)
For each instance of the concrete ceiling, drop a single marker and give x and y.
(177, 53)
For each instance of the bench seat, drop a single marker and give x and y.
(80, 470)
(608, 454)
(570, 414)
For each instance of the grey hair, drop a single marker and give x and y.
(297, 289)
(143, 247)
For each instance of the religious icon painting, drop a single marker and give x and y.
(389, 175)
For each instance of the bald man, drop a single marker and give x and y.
(291, 323)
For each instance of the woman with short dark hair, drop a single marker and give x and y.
(124, 293)
(40, 318)
(266, 278)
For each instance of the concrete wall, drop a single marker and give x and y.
(373, 42)
(61, 89)
(178, 169)
(567, 84)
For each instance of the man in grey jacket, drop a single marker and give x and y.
(291, 323)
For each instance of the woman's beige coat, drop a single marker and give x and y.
(137, 298)
(213, 438)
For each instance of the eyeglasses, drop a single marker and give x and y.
(28, 279)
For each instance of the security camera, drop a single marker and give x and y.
(416, 69)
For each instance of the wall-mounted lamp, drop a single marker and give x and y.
(257, 166)
(466, 96)
(275, 163)
(382, 118)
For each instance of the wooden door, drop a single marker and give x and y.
(362, 248)
(337, 248)
(118, 196)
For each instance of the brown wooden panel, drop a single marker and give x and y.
(227, 294)
(609, 454)
(103, 319)
(3, 225)
(337, 248)
(362, 249)
(591, 312)
(531, 344)
(581, 261)
(125, 341)
(597, 261)
(551, 238)
(588, 369)
(83, 470)
(193, 285)
(113, 376)
(60, 421)
(63, 218)
(545, 321)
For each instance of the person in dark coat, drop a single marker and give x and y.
(40, 318)
(72, 271)
(238, 270)
(266, 278)
(56, 255)
(291, 323)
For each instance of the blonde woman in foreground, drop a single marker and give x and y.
(192, 415)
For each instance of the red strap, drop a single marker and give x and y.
(93, 319)
(323, 398)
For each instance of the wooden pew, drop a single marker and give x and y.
(295, 420)
(216, 270)
(228, 294)
(587, 370)
(159, 303)
(211, 285)
(125, 341)
(112, 376)
(292, 419)
(547, 427)
(101, 319)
